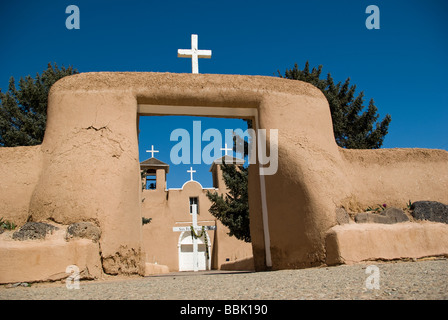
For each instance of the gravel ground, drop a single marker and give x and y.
(426, 279)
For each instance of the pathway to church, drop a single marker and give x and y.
(423, 279)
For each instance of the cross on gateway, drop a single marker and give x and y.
(194, 53)
(152, 151)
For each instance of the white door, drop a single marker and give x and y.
(186, 253)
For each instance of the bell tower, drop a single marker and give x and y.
(154, 174)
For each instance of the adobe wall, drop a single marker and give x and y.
(47, 260)
(20, 168)
(352, 243)
(395, 176)
(90, 168)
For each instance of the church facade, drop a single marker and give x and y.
(167, 238)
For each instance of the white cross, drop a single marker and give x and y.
(194, 53)
(225, 149)
(152, 151)
(191, 173)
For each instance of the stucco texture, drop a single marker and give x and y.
(89, 166)
(353, 243)
(20, 168)
(47, 260)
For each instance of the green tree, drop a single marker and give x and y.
(23, 110)
(233, 208)
(355, 126)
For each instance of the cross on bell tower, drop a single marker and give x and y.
(152, 151)
(225, 149)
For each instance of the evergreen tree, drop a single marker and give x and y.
(354, 126)
(23, 111)
(233, 208)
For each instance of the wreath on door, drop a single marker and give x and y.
(197, 236)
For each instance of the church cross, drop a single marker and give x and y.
(152, 151)
(191, 171)
(194, 53)
(225, 149)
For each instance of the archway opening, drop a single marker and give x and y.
(166, 204)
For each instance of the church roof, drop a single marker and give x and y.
(228, 160)
(155, 164)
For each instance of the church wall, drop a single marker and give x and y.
(159, 240)
(170, 209)
(178, 202)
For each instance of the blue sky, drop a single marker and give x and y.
(402, 66)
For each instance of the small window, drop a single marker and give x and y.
(151, 182)
(194, 201)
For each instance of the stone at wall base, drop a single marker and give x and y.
(388, 216)
(430, 210)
